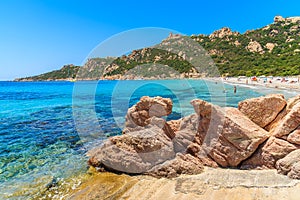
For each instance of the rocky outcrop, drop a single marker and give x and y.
(279, 19)
(181, 164)
(135, 152)
(255, 47)
(289, 123)
(139, 114)
(228, 136)
(267, 155)
(263, 133)
(286, 20)
(294, 137)
(263, 110)
(223, 32)
(270, 46)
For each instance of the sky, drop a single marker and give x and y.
(38, 36)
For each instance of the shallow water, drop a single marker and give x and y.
(47, 127)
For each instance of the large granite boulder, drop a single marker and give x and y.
(227, 135)
(186, 133)
(181, 164)
(213, 136)
(288, 123)
(290, 104)
(135, 152)
(146, 108)
(263, 110)
(268, 153)
(294, 137)
(290, 165)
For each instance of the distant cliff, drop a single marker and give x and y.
(271, 50)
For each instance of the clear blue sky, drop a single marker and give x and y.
(37, 36)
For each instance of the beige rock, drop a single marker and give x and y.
(134, 152)
(297, 50)
(186, 133)
(270, 46)
(174, 124)
(276, 121)
(181, 164)
(228, 136)
(293, 19)
(255, 47)
(294, 137)
(268, 153)
(237, 43)
(222, 33)
(289, 123)
(290, 165)
(275, 32)
(290, 103)
(147, 107)
(294, 28)
(279, 19)
(263, 110)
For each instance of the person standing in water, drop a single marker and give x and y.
(234, 89)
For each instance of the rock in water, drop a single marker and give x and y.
(263, 110)
(228, 136)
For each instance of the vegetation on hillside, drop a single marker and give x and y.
(66, 72)
(273, 50)
(236, 60)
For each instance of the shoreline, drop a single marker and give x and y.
(275, 84)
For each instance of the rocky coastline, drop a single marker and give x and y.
(262, 133)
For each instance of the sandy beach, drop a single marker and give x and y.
(225, 184)
(290, 83)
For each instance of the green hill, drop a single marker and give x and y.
(65, 73)
(271, 50)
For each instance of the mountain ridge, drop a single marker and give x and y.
(271, 50)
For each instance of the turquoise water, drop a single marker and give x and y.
(47, 127)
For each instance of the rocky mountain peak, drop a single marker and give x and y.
(278, 19)
(223, 32)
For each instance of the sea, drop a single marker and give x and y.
(46, 128)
